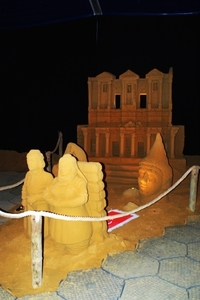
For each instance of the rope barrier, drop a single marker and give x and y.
(3, 188)
(95, 219)
(58, 142)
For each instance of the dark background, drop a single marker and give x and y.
(44, 72)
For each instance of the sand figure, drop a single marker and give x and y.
(36, 180)
(74, 150)
(68, 195)
(155, 174)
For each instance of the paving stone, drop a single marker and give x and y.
(8, 200)
(194, 221)
(130, 264)
(17, 190)
(161, 247)
(193, 251)
(181, 271)
(6, 196)
(194, 293)
(94, 284)
(16, 200)
(8, 178)
(152, 288)
(4, 295)
(6, 205)
(182, 234)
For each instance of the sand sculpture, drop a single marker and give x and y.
(96, 198)
(155, 174)
(68, 195)
(125, 114)
(96, 189)
(76, 151)
(36, 180)
(78, 190)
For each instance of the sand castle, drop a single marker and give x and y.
(124, 116)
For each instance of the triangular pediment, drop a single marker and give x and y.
(129, 74)
(154, 73)
(106, 75)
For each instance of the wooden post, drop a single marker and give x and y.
(48, 156)
(60, 149)
(193, 188)
(36, 250)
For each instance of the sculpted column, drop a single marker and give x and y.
(85, 134)
(134, 94)
(160, 94)
(89, 94)
(107, 144)
(123, 93)
(148, 141)
(97, 144)
(149, 95)
(109, 94)
(121, 144)
(170, 100)
(133, 145)
(173, 133)
(99, 95)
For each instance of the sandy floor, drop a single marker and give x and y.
(15, 263)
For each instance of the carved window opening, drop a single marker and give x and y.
(143, 101)
(117, 101)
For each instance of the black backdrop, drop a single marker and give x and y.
(44, 68)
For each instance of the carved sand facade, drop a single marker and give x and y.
(125, 114)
